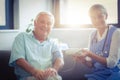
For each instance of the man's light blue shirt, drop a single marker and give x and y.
(39, 55)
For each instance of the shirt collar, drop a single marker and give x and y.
(32, 35)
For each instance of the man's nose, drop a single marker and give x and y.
(45, 25)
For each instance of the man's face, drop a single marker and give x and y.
(43, 25)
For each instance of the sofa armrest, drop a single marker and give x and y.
(6, 72)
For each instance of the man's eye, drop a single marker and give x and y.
(49, 23)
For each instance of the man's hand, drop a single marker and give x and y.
(39, 74)
(44, 74)
(50, 72)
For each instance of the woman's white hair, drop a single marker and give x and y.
(98, 7)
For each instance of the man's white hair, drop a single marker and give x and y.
(45, 13)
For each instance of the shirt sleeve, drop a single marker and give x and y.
(57, 53)
(18, 49)
(114, 53)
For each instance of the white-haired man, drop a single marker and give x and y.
(34, 55)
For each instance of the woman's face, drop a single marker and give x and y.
(98, 18)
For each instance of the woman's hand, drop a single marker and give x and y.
(86, 52)
(82, 56)
(78, 57)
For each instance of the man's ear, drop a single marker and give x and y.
(35, 23)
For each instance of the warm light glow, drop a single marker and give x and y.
(76, 11)
(74, 17)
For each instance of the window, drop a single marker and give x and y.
(2, 15)
(75, 12)
(8, 14)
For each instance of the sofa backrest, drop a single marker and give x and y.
(73, 37)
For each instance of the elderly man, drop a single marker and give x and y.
(34, 55)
